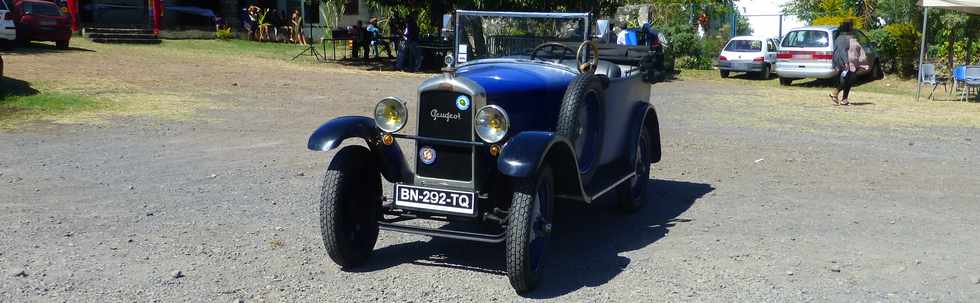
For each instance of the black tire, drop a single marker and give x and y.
(350, 205)
(725, 73)
(63, 44)
(785, 81)
(7, 45)
(876, 72)
(580, 119)
(766, 72)
(633, 194)
(528, 230)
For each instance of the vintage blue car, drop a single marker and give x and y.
(530, 114)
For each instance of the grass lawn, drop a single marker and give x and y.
(886, 103)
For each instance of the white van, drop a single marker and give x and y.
(8, 31)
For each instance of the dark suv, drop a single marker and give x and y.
(527, 117)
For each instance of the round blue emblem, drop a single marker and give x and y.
(463, 102)
(427, 155)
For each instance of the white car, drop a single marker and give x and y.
(748, 54)
(808, 52)
(8, 31)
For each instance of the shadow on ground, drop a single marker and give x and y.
(10, 87)
(40, 48)
(586, 246)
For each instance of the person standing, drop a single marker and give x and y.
(374, 35)
(840, 60)
(297, 24)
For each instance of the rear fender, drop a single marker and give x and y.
(390, 159)
(525, 154)
(645, 116)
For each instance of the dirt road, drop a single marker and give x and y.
(219, 204)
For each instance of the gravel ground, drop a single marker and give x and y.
(221, 205)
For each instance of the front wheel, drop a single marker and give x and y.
(725, 73)
(63, 44)
(785, 81)
(350, 205)
(528, 230)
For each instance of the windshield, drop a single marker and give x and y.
(806, 38)
(41, 9)
(486, 35)
(744, 46)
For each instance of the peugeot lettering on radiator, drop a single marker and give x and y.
(436, 115)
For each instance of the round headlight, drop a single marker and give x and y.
(390, 114)
(492, 123)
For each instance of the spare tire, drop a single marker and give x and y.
(580, 119)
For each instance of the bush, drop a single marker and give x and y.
(898, 46)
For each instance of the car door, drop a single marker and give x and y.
(770, 51)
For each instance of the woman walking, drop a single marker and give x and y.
(849, 59)
(840, 60)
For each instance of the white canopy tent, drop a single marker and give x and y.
(966, 6)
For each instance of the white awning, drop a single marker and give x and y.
(966, 6)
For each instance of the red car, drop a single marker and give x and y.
(39, 20)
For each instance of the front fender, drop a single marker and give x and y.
(525, 153)
(390, 159)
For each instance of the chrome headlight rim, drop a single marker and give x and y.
(401, 111)
(506, 124)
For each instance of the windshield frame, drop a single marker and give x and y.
(461, 13)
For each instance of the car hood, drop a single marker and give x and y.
(530, 92)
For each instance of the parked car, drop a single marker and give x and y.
(527, 117)
(748, 54)
(807, 53)
(8, 30)
(41, 21)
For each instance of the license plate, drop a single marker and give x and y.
(740, 66)
(48, 23)
(439, 200)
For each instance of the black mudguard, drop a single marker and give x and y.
(389, 158)
(525, 154)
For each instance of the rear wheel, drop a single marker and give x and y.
(785, 81)
(766, 72)
(876, 72)
(633, 195)
(529, 229)
(350, 205)
(725, 73)
(63, 44)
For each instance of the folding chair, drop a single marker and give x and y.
(927, 72)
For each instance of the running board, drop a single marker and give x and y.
(442, 233)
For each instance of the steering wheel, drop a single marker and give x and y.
(582, 57)
(552, 45)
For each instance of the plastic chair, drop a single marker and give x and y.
(959, 76)
(972, 79)
(927, 72)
